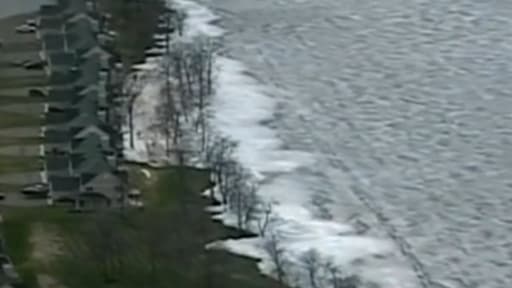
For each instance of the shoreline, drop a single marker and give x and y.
(260, 151)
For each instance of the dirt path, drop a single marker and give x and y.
(46, 245)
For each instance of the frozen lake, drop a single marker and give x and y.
(406, 106)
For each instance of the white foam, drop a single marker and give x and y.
(239, 107)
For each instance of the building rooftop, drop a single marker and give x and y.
(64, 183)
(57, 163)
(92, 162)
(89, 143)
(54, 41)
(61, 58)
(57, 136)
(61, 95)
(55, 118)
(54, 24)
(80, 36)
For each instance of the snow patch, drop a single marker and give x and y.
(146, 173)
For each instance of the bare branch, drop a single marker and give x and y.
(265, 220)
(311, 261)
(276, 252)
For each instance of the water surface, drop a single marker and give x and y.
(407, 107)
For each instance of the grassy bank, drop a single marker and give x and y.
(19, 164)
(152, 248)
(13, 120)
(20, 141)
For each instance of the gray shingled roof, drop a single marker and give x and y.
(94, 163)
(64, 184)
(61, 95)
(84, 119)
(92, 94)
(53, 24)
(57, 136)
(54, 42)
(63, 76)
(57, 163)
(61, 58)
(89, 143)
(53, 118)
(80, 36)
(89, 72)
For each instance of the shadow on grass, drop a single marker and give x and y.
(20, 141)
(16, 230)
(9, 100)
(21, 82)
(13, 120)
(10, 188)
(19, 164)
(21, 47)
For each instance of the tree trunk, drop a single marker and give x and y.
(130, 124)
(188, 78)
(209, 73)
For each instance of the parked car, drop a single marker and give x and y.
(35, 93)
(19, 63)
(24, 28)
(36, 190)
(34, 65)
(31, 23)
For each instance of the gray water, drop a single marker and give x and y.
(408, 105)
(12, 7)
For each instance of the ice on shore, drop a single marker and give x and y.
(239, 106)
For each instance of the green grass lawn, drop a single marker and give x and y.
(8, 100)
(20, 141)
(16, 232)
(22, 82)
(19, 164)
(17, 229)
(13, 120)
(8, 188)
(161, 246)
(21, 46)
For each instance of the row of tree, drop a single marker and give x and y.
(188, 75)
(189, 87)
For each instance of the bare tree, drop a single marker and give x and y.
(276, 253)
(134, 23)
(192, 68)
(179, 21)
(336, 278)
(201, 65)
(243, 199)
(219, 155)
(264, 221)
(132, 89)
(231, 179)
(169, 104)
(251, 202)
(312, 264)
